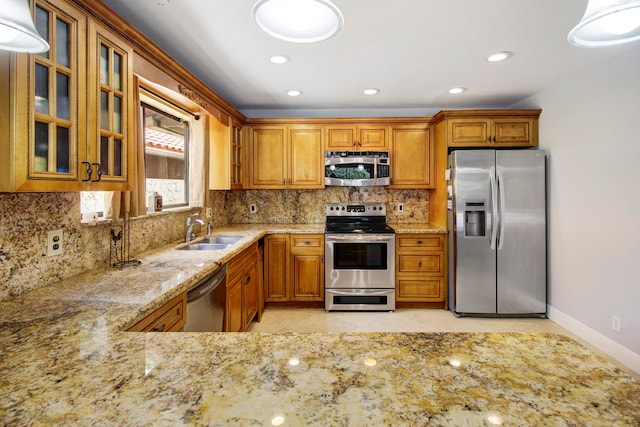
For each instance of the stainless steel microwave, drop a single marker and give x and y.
(357, 168)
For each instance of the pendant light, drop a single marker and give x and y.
(298, 21)
(17, 31)
(606, 23)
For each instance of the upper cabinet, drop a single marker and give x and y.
(69, 118)
(347, 137)
(226, 155)
(286, 156)
(412, 164)
(486, 128)
(110, 99)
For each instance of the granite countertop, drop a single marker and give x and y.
(65, 360)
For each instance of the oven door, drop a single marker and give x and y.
(360, 261)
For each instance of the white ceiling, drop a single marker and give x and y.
(412, 50)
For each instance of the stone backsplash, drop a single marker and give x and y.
(26, 218)
(308, 206)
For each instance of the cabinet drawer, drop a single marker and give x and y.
(431, 263)
(168, 318)
(430, 289)
(241, 262)
(307, 243)
(416, 241)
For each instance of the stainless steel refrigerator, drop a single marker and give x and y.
(497, 233)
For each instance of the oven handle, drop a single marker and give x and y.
(360, 237)
(367, 292)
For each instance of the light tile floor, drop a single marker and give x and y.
(401, 320)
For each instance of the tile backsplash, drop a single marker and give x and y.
(26, 218)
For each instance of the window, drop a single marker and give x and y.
(166, 152)
(165, 146)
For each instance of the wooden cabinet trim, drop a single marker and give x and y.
(170, 317)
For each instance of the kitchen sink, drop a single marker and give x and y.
(203, 246)
(227, 240)
(211, 243)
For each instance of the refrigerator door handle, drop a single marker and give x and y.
(494, 207)
(501, 211)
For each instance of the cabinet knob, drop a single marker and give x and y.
(159, 328)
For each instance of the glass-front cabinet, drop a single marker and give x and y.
(67, 116)
(110, 107)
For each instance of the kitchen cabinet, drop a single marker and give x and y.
(69, 121)
(226, 154)
(420, 268)
(349, 137)
(170, 317)
(287, 157)
(493, 131)
(242, 290)
(294, 268)
(412, 157)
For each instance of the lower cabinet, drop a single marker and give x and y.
(243, 280)
(168, 318)
(294, 268)
(420, 269)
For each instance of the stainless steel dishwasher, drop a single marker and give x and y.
(205, 303)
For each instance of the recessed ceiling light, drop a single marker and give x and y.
(371, 91)
(294, 93)
(456, 90)
(298, 21)
(279, 59)
(499, 56)
(606, 23)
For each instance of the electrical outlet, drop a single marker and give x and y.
(400, 207)
(54, 242)
(253, 208)
(616, 323)
(208, 212)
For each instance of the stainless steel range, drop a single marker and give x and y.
(359, 258)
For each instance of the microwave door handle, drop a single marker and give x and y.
(494, 207)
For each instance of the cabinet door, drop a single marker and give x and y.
(514, 132)
(307, 267)
(250, 296)
(308, 277)
(276, 271)
(46, 101)
(306, 170)
(469, 132)
(412, 158)
(268, 157)
(237, 157)
(233, 308)
(340, 137)
(373, 137)
(111, 94)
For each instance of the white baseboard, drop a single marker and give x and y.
(601, 342)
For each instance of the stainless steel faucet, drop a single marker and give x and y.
(191, 221)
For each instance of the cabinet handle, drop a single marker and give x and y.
(98, 172)
(159, 328)
(419, 242)
(248, 276)
(89, 171)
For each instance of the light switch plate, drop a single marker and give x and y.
(253, 208)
